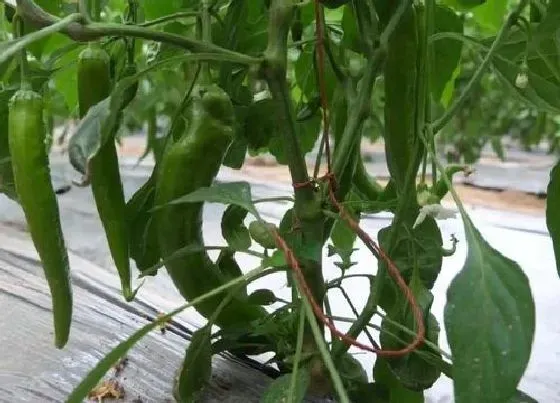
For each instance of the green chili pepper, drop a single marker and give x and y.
(94, 85)
(192, 162)
(26, 132)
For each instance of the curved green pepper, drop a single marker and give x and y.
(94, 85)
(192, 162)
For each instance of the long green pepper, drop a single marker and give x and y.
(193, 161)
(26, 134)
(94, 85)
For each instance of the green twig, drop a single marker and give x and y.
(170, 17)
(27, 40)
(81, 31)
(356, 313)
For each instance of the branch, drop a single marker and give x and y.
(84, 32)
(504, 30)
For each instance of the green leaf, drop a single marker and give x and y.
(553, 211)
(228, 265)
(143, 241)
(234, 230)
(236, 153)
(397, 392)
(197, 367)
(279, 390)
(548, 27)
(237, 193)
(446, 52)
(370, 392)
(351, 37)
(277, 259)
(65, 79)
(412, 370)
(262, 297)
(343, 237)
(308, 132)
(96, 128)
(490, 323)
(306, 74)
(419, 248)
(543, 69)
(491, 15)
(351, 371)
(261, 123)
(156, 8)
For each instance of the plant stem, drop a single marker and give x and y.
(38, 35)
(206, 24)
(307, 206)
(360, 323)
(356, 313)
(502, 33)
(82, 32)
(327, 359)
(170, 17)
(18, 30)
(94, 8)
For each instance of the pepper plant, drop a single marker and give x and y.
(214, 81)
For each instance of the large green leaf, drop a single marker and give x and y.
(236, 193)
(397, 392)
(197, 367)
(156, 8)
(446, 52)
(553, 211)
(307, 74)
(343, 237)
(490, 323)
(307, 134)
(491, 15)
(144, 249)
(412, 370)
(419, 248)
